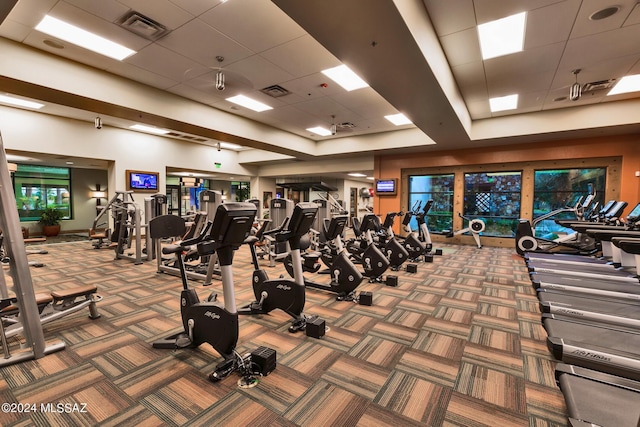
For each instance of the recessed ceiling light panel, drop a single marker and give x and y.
(318, 130)
(249, 103)
(19, 102)
(502, 36)
(72, 34)
(398, 119)
(626, 84)
(149, 129)
(345, 77)
(503, 103)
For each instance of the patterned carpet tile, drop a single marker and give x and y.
(357, 376)
(393, 332)
(446, 327)
(327, 404)
(510, 325)
(459, 343)
(355, 322)
(379, 416)
(495, 359)
(378, 351)
(225, 413)
(495, 338)
(546, 405)
(491, 386)
(310, 359)
(408, 318)
(414, 398)
(440, 345)
(497, 310)
(429, 367)
(461, 302)
(466, 411)
(454, 315)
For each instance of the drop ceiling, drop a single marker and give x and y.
(421, 58)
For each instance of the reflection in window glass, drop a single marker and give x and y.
(39, 187)
(438, 188)
(562, 191)
(493, 197)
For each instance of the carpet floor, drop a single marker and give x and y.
(459, 343)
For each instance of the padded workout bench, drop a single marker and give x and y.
(52, 306)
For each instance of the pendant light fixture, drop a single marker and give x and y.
(575, 92)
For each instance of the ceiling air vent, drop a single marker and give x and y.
(345, 125)
(599, 85)
(142, 26)
(275, 91)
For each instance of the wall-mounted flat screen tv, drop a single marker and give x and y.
(386, 187)
(142, 181)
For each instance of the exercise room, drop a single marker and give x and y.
(319, 213)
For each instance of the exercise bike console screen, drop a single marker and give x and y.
(386, 187)
(634, 215)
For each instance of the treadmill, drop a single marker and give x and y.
(606, 348)
(597, 399)
(597, 308)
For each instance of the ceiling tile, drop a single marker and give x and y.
(600, 47)
(158, 59)
(301, 56)
(584, 26)
(161, 11)
(461, 47)
(265, 27)
(196, 7)
(490, 10)
(202, 43)
(550, 24)
(450, 17)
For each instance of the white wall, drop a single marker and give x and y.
(32, 132)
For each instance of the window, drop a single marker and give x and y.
(39, 187)
(493, 197)
(438, 188)
(561, 190)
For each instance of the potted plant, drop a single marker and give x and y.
(50, 220)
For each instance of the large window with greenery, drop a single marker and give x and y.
(40, 187)
(438, 188)
(560, 191)
(494, 197)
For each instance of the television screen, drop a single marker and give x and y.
(386, 187)
(143, 181)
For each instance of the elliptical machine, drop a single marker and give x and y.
(285, 294)
(418, 243)
(345, 276)
(209, 321)
(475, 227)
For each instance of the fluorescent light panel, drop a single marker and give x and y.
(249, 103)
(502, 103)
(345, 77)
(398, 119)
(357, 175)
(19, 102)
(626, 84)
(502, 36)
(230, 146)
(150, 129)
(72, 34)
(318, 130)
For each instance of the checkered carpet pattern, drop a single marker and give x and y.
(459, 343)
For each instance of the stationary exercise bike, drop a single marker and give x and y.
(475, 227)
(285, 294)
(345, 276)
(364, 251)
(210, 321)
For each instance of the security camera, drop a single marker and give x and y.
(98, 123)
(218, 146)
